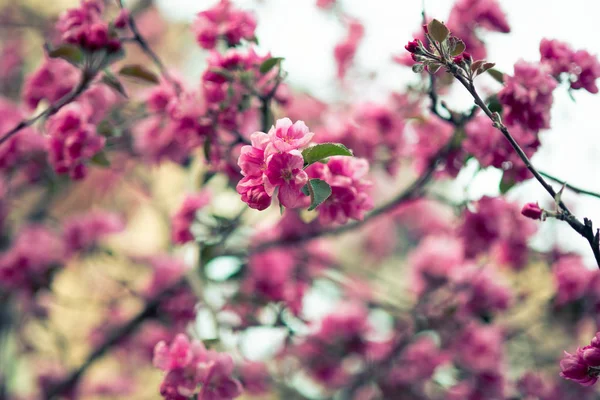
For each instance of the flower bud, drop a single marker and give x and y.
(412, 47)
(532, 210)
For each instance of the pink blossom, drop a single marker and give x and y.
(434, 260)
(571, 279)
(417, 363)
(271, 277)
(73, 140)
(491, 148)
(286, 136)
(496, 225)
(345, 51)
(575, 368)
(11, 58)
(34, 252)
(51, 81)
(340, 334)
(479, 348)
(82, 232)
(481, 290)
(582, 68)
(532, 210)
(84, 27)
(255, 378)
(350, 196)
(432, 135)
(285, 172)
(588, 70)
(253, 192)
(527, 96)
(186, 214)
(468, 15)
(223, 21)
(325, 3)
(194, 371)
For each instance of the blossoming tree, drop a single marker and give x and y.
(152, 226)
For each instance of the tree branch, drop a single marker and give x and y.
(81, 87)
(112, 339)
(570, 187)
(139, 39)
(585, 229)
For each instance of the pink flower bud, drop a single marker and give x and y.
(412, 47)
(532, 210)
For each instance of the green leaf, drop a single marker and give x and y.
(319, 192)
(100, 160)
(70, 53)
(494, 105)
(497, 75)
(268, 65)
(506, 184)
(459, 47)
(438, 30)
(114, 83)
(139, 72)
(321, 151)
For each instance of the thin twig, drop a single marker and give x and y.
(81, 87)
(139, 39)
(112, 339)
(570, 187)
(585, 228)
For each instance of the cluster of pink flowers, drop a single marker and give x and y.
(373, 131)
(180, 305)
(274, 161)
(491, 148)
(345, 51)
(231, 79)
(81, 233)
(496, 226)
(223, 21)
(583, 367)
(84, 27)
(582, 68)
(26, 266)
(194, 371)
(276, 276)
(339, 335)
(432, 135)
(53, 79)
(527, 96)
(468, 15)
(414, 367)
(350, 197)
(73, 140)
(182, 221)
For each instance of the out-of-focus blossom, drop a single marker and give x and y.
(225, 22)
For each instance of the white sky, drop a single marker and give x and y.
(305, 36)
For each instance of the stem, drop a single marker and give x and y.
(584, 229)
(81, 87)
(570, 187)
(141, 41)
(113, 339)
